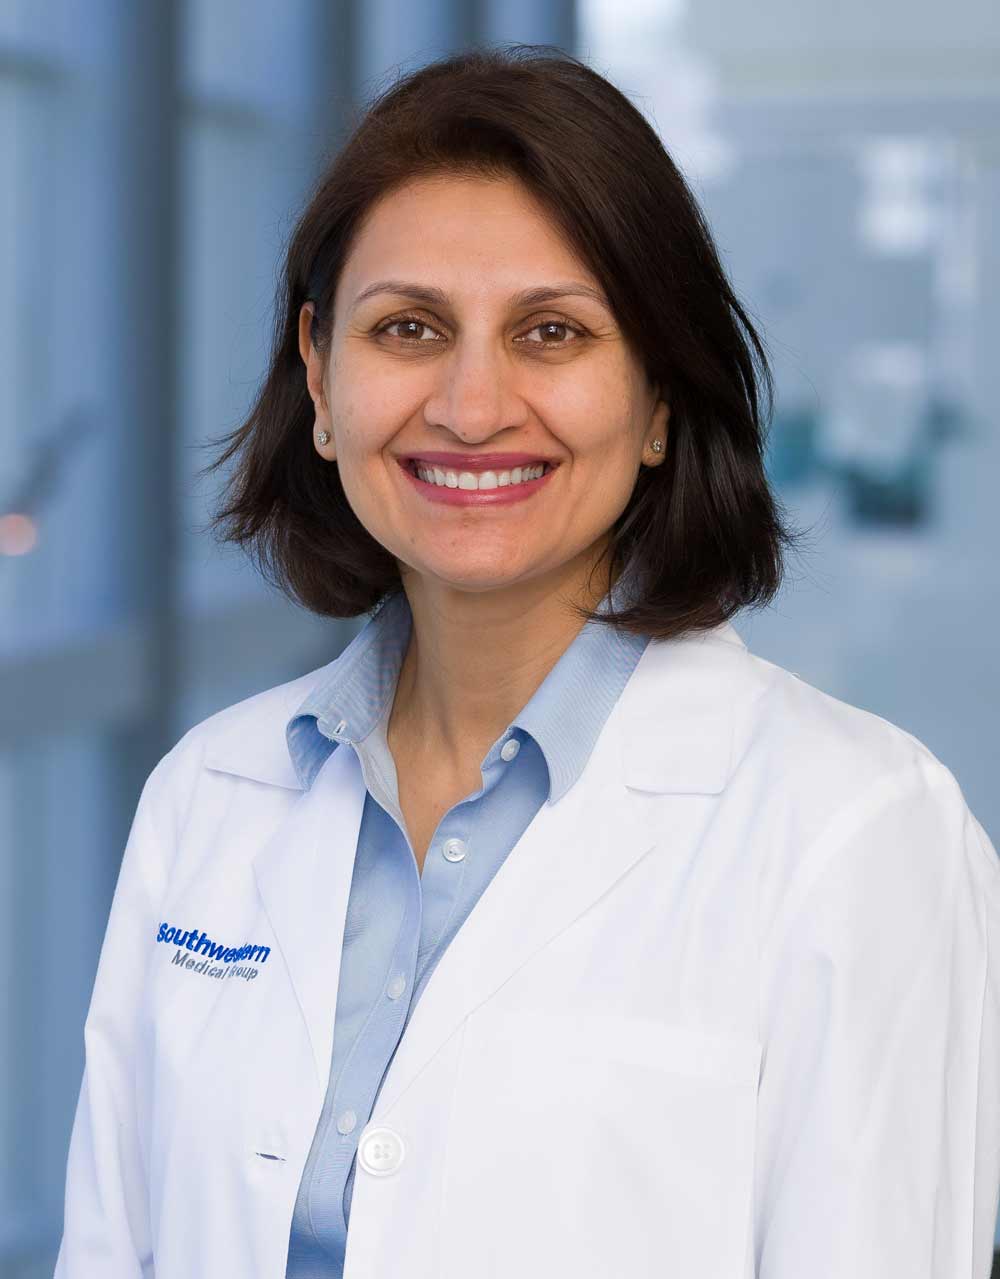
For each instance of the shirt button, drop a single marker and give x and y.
(381, 1151)
(347, 1121)
(510, 748)
(396, 986)
(454, 849)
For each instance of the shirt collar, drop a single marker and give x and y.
(349, 699)
(567, 711)
(564, 715)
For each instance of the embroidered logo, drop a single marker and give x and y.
(220, 961)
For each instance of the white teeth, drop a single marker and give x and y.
(479, 479)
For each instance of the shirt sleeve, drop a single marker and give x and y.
(106, 1228)
(879, 1095)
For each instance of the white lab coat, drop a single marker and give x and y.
(730, 1008)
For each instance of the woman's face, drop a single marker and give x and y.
(436, 361)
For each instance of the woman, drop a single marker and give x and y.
(546, 930)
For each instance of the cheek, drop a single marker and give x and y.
(605, 474)
(369, 397)
(605, 448)
(608, 493)
(596, 416)
(365, 474)
(359, 440)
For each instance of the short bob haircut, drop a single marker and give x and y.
(702, 533)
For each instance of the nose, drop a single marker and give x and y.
(475, 396)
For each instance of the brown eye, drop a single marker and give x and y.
(547, 327)
(410, 326)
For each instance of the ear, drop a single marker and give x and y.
(314, 380)
(305, 342)
(659, 425)
(310, 357)
(656, 432)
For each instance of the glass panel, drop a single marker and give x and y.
(58, 568)
(38, 28)
(58, 864)
(238, 185)
(248, 160)
(252, 52)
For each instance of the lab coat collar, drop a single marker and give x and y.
(677, 710)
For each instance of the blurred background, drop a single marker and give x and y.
(154, 155)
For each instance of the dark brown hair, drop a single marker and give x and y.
(702, 534)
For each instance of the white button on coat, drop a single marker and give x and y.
(454, 849)
(381, 1151)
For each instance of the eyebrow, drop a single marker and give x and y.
(437, 297)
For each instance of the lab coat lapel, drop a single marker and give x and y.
(670, 736)
(303, 875)
(570, 855)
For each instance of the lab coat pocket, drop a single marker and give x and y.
(590, 1143)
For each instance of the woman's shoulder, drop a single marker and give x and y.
(828, 775)
(822, 735)
(769, 721)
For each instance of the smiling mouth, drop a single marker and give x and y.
(447, 477)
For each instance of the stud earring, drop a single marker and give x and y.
(323, 437)
(656, 446)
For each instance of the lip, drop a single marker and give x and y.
(476, 462)
(505, 496)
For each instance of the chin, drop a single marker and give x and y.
(473, 579)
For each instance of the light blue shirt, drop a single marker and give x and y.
(399, 920)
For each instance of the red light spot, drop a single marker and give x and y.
(18, 534)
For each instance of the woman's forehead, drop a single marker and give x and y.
(449, 227)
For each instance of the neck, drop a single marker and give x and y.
(476, 657)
